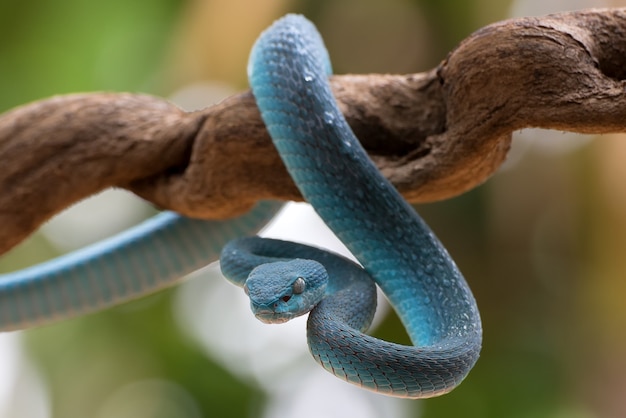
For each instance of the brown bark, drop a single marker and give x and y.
(434, 134)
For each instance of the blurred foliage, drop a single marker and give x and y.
(541, 244)
(50, 47)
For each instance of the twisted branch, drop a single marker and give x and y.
(434, 134)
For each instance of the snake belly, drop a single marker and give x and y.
(288, 71)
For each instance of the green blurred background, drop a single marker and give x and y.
(542, 243)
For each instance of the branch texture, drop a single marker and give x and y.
(434, 134)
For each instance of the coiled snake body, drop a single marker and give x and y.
(288, 75)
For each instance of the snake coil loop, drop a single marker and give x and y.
(288, 71)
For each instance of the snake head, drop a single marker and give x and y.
(282, 290)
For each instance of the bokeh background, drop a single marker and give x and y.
(542, 243)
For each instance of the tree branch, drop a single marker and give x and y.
(434, 135)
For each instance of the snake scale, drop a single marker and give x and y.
(288, 72)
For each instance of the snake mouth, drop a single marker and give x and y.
(272, 318)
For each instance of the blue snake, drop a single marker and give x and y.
(288, 71)
(288, 75)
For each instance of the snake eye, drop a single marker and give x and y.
(246, 290)
(298, 286)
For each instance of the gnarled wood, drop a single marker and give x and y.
(434, 135)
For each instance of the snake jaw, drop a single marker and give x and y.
(272, 317)
(277, 311)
